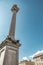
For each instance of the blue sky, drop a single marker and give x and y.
(29, 24)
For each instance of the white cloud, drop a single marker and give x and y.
(36, 53)
(24, 58)
(28, 59)
(31, 57)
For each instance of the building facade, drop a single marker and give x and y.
(38, 59)
(25, 62)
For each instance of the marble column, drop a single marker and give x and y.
(14, 10)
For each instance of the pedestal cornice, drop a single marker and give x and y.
(10, 42)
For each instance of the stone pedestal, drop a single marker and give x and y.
(9, 52)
